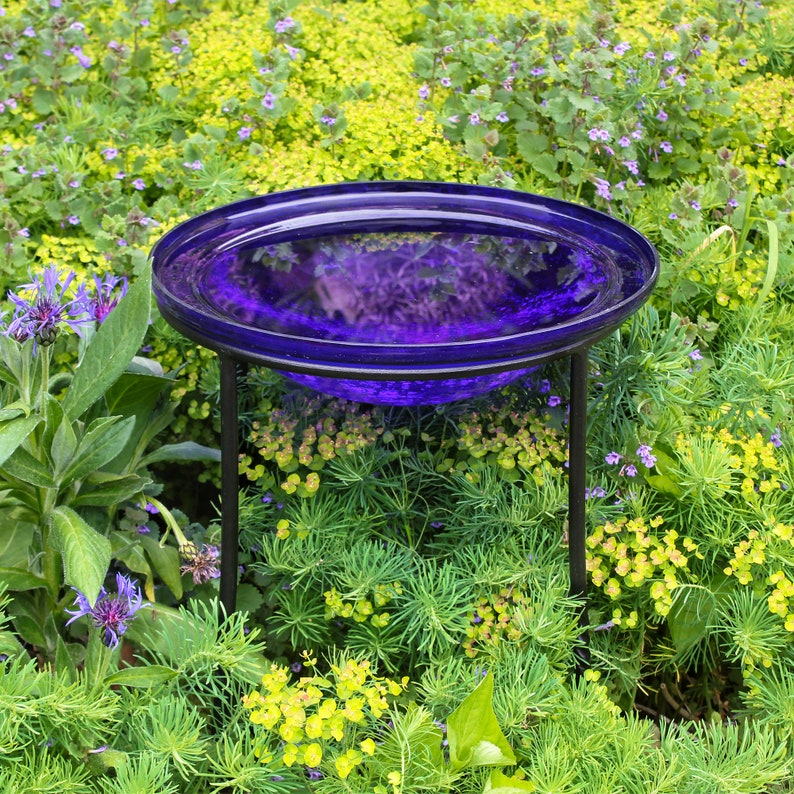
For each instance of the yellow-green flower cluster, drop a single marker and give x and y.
(365, 608)
(713, 463)
(319, 717)
(305, 439)
(516, 441)
(627, 554)
(762, 551)
(491, 620)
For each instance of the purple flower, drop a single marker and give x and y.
(624, 141)
(73, 220)
(329, 121)
(537, 71)
(632, 165)
(604, 626)
(644, 454)
(138, 184)
(622, 48)
(630, 470)
(662, 115)
(613, 457)
(83, 59)
(554, 401)
(283, 25)
(666, 146)
(244, 132)
(111, 612)
(695, 205)
(668, 56)
(52, 305)
(474, 119)
(502, 117)
(602, 189)
(424, 92)
(292, 52)
(108, 293)
(776, 440)
(110, 153)
(269, 101)
(696, 355)
(596, 134)
(200, 563)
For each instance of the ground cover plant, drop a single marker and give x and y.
(404, 622)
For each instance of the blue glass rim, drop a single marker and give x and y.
(388, 206)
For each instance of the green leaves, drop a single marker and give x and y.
(14, 432)
(473, 732)
(86, 553)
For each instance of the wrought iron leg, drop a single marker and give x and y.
(577, 441)
(230, 450)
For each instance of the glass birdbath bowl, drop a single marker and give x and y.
(401, 293)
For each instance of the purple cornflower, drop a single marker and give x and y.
(613, 457)
(200, 563)
(49, 308)
(111, 612)
(107, 296)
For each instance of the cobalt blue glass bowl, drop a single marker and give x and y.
(401, 293)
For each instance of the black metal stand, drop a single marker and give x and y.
(577, 439)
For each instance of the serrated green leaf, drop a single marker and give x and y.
(13, 432)
(86, 553)
(114, 345)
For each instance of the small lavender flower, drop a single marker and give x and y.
(644, 454)
(244, 132)
(138, 184)
(269, 101)
(329, 121)
(776, 440)
(554, 400)
(51, 306)
(630, 470)
(613, 457)
(424, 91)
(503, 117)
(666, 146)
(283, 25)
(696, 355)
(111, 612)
(200, 563)
(602, 189)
